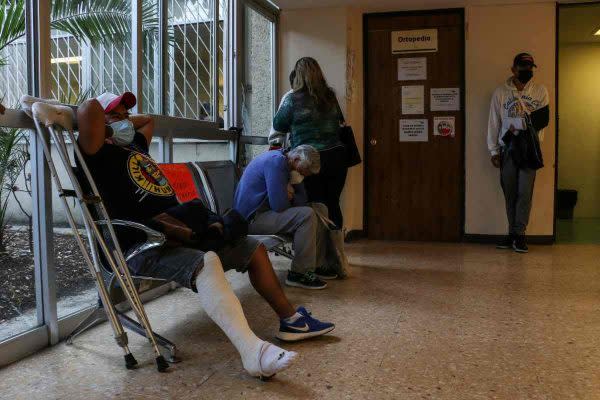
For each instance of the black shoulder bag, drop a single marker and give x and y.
(347, 138)
(525, 147)
(349, 142)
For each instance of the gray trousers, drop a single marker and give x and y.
(307, 230)
(517, 185)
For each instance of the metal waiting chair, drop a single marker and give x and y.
(214, 182)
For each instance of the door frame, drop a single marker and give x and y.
(559, 6)
(366, 137)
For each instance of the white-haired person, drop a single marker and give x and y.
(271, 196)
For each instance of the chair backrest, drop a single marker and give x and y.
(189, 183)
(213, 182)
(223, 177)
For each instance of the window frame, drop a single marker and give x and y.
(271, 13)
(51, 329)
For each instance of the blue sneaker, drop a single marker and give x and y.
(303, 328)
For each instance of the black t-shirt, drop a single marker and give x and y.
(131, 184)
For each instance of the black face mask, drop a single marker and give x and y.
(525, 76)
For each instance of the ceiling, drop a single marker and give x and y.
(397, 5)
(578, 23)
(291, 4)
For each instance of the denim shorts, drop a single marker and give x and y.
(182, 264)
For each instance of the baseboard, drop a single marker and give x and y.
(355, 234)
(491, 239)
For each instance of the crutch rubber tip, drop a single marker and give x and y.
(130, 361)
(161, 364)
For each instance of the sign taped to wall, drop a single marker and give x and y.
(415, 41)
(412, 69)
(413, 99)
(445, 99)
(444, 126)
(414, 130)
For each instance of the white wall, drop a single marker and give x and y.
(321, 33)
(579, 125)
(318, 33)
(491, 43)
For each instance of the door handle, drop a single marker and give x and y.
(373, 142)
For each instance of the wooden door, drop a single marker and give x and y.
(414, 190)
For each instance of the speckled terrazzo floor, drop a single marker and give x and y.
(441, 321)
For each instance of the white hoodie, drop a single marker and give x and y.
(506, 104)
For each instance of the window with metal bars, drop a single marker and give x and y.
(81, 69)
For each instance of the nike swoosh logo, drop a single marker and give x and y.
(303, 329)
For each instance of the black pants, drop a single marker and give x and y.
(327, 186)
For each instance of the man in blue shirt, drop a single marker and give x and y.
(272, 198)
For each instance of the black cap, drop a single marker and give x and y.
(524, 60)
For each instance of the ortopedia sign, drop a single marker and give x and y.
(415, 41)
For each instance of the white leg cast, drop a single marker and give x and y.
(260, 358)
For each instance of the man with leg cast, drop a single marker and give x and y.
(115, 148)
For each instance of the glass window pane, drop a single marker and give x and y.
(223, 41)
(190, 68)
(91, 54)
(257, 106)
(17, 272)
(13, 79)
(91, 49)
(151, 57)
(75, 285)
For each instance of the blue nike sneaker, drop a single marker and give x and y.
(303, 328)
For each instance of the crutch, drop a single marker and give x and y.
(117, 261)
(119, 268)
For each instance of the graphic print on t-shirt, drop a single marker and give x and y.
(147, 176)
(514, 108)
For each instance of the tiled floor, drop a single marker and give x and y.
(442, 321)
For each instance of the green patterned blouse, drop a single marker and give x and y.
(299, 115)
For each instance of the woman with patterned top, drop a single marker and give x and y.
(312, 116)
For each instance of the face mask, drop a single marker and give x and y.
(123, 132)
(525, 76)
(296, 177)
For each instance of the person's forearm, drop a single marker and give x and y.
(144, 124)
(139, 121)
(300, 197)
(540, 118)
(92, 127)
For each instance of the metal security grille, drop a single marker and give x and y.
(190, 72)
(13, 75)
(80, 70)
(222, 41)
(66, 68)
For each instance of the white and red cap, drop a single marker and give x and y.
(109, 101)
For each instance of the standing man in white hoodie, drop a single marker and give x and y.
(518, 96)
